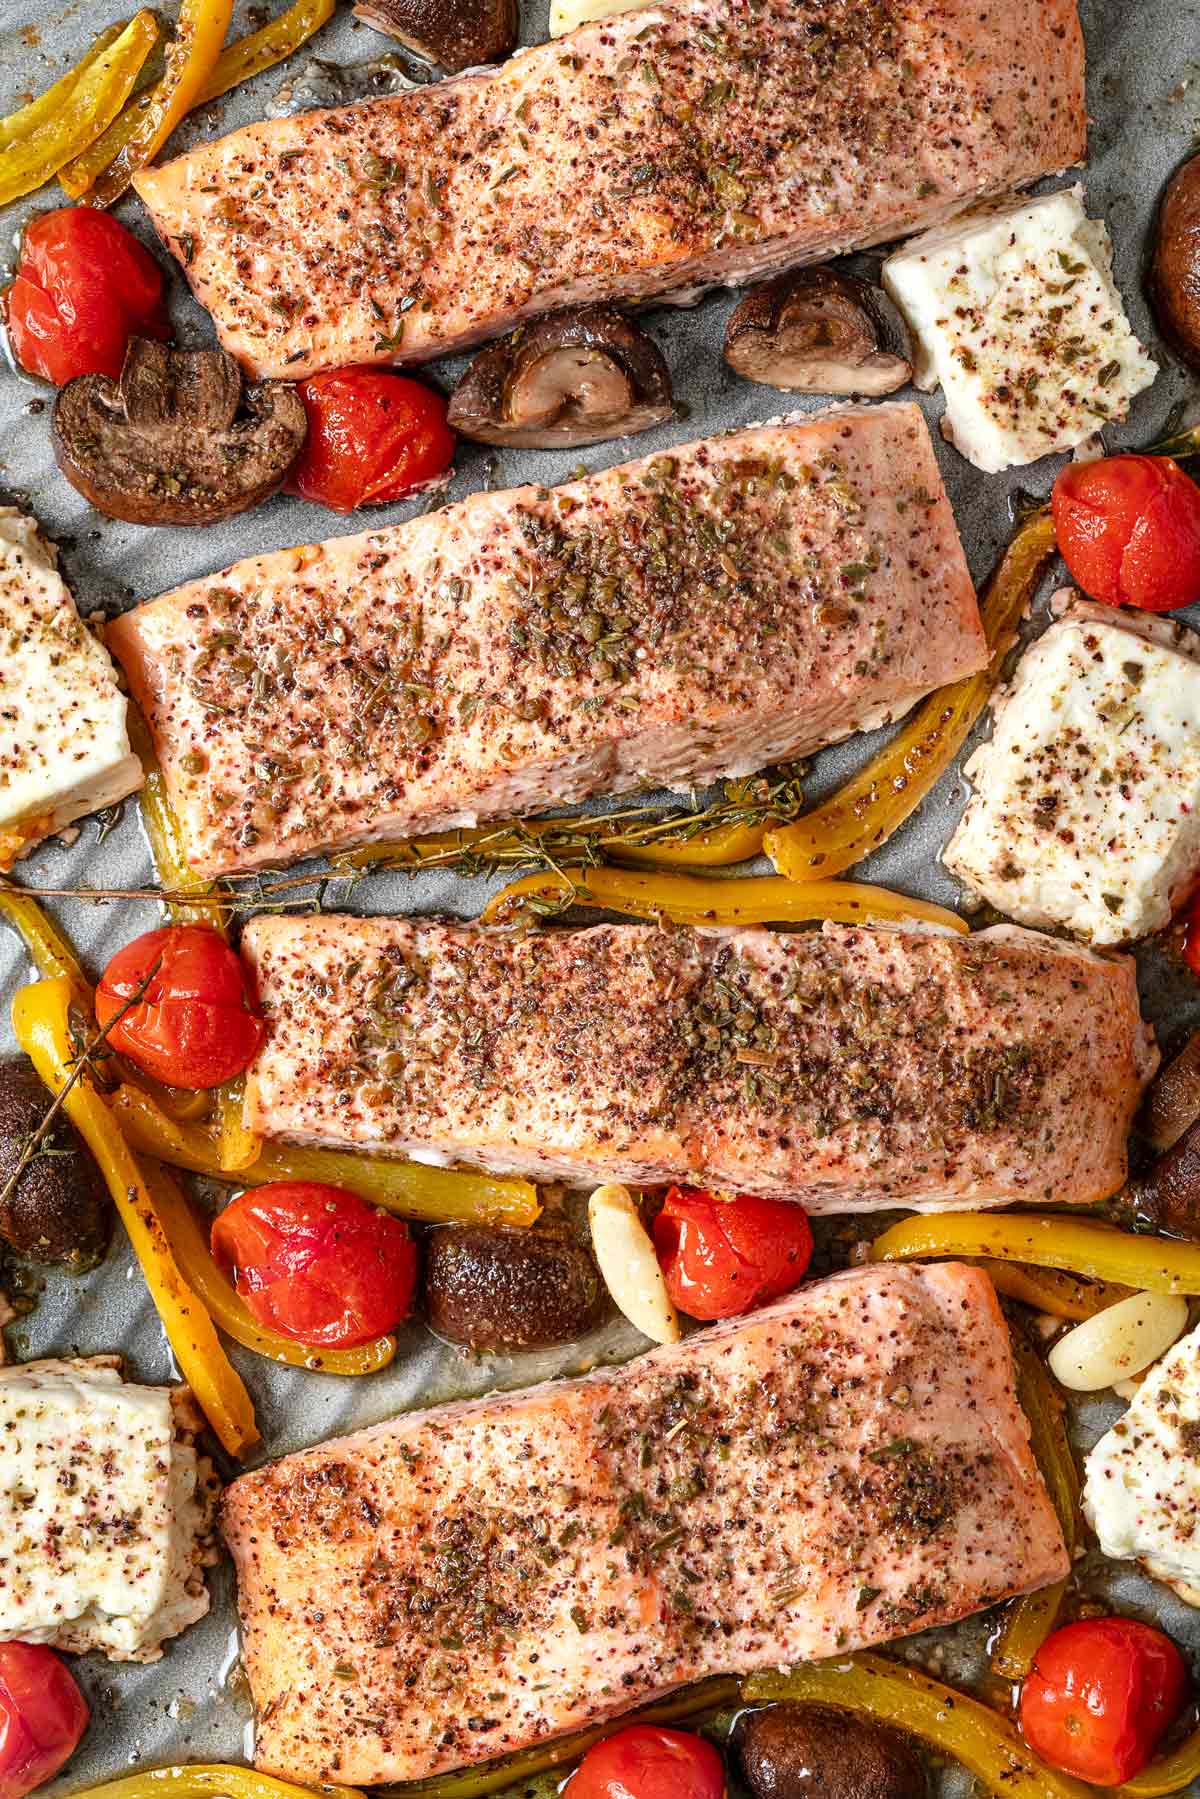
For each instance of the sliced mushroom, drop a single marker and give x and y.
(1175, 271)
(816, 330)
(574, 377)
(177, 440)
(457, 34)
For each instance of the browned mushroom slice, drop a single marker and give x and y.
(457, 34)
(177, 440)
(1175, 271)
(815, 330)
(574, 377)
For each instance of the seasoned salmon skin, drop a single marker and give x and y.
(848, 1068)
(666, 622)
(651, 153)
(847, 1466)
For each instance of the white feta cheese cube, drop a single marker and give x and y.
(1086, 803)
(1015, 312)
(64, 747)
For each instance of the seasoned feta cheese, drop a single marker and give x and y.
(64, 749)
(1015, 312)
(1086, 809)
(105, 1512)
(1141, 1490)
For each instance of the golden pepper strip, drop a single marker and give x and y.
(237, 1147)
(1052, 1290)
(952, 1723)
(1147, 1264)
(44, 106)
(221, 1780)
(875, 802)
(165, 835)
(437, 1195)
(40, 1017)
(223, 1303)
(49, 950)
(1171, 1773)
(262, 49)
(720, 847)
(106, 168)
(688, 899)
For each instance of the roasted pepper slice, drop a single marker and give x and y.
(134, 138)
(438, 1195)
(262, 49)
(873, 803)
(237, 1147)
(1098, 1251)
(1171, 1773)
(44, 106)
(1052, 1290)
(34, 151)
(689, 899)
(41, 1021)
(208, 1780)
(221, 1300)
(167, 845)
(719, 847)
(49, 950)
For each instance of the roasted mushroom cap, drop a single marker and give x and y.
(1175, 270)
(815, 330)
(59, 1210)
(574, 377)
(457, 34)
(177, 440)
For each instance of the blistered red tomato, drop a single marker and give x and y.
(195, 1025)
(649, 1762)
(372, 436)
(84, 287)
(1100, 1697)
(1129, 531)
(42, 1717)
(722, 1256)
(317, 1263)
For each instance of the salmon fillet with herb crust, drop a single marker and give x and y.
(667, 622)
(844, 1467)
(848, 1068)
(651, 153)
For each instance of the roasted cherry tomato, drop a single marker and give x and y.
(722, 1256)
(42, 1717)
(1129, 531)
(1100, 1696)
(372, 436)
(648, 1762)
(194, 1026)
(84, 287)
(317, 1263)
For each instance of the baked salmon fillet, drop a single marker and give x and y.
(849, 1068)
(650, 153)
(666, 622)
(844, 1467)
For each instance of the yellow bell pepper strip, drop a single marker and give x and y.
(227, 1309)
(1052, 1290)
(165, 835)
(134, 138)
(237, 1147)
(44, 106)
(1033, 1616)
(718, 1694)
(1084, 1246)
(40, 1016)
(1171, 1773)
(209, 1780)
(720, 847)
(49, 951)
(437, 1195)
(262, 49)
(951, 1723)
(876, 801)
(689, 899)
(104, 81)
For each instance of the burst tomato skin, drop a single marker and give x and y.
(317, 1263)
(720, 1257)
(1101, 1694)
(372, 436)
(84, 287)
(43, 1715)
(647, 1762)
(195, 1025)
(1129, 531)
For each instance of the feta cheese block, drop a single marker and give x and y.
(1015, 312)
(1141, 1491)
(1086, 809)
(64, 747)
(106, 1511)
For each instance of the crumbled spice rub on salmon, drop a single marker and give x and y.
(690, 144)
(669, 621)
(848, 1068)
(847, 1466)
